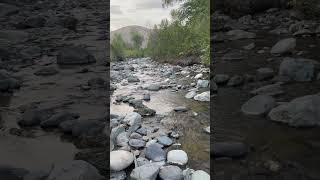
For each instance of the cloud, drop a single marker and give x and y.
(115, 10)
(149, 5)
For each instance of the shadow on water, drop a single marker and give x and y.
(39, 152)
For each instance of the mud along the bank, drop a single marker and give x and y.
(249, 140)
(53, 57)
(174, 127)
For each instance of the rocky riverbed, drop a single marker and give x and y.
(266, 112)
(160, 124)
(53, 83)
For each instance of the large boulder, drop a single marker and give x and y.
(284, 46)
(300, 112)
(297, 69)
(258, 105)
(74, 170)
(120, 159)
(146, 172)
(72, 55)
(133, 120)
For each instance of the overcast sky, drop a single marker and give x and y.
(137, 12)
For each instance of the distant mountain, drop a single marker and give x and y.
(126, 35)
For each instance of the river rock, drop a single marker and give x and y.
(46, 71)
(258, 105)
(32, 117)
(235, 80)
(135, 136)
(180, 109)
(143, 131)
(178, 157)
(164, 140)
(190, 94)
(116, 131)
(198, 76)
(58, 118)
(73, 55)
(146, 97)
(200, 175)
(171, 173)
(153, 87)
(300, 112)
(155, 152)
(86, 128)
(120, 159)
(229, 149)
(118, 175)
(136, 143)
(74, 170)
(205, 96)
(122, 139)
(132, 79)
(271, 90)
(133, 119)
(297, 69)
(136, 103)
(284, 46)
(146, 172)
(264, 73)
(221, 78)
(142, 161)
(240, 34)
(202, 83)
(145, 111)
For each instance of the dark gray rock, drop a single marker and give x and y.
(164, 140)
(73, 55)
(229, 149)
(85, 128)
(46, 71)
(155, 152)
(58, 118)
(297, 69)
(137, 143)
(258, 105)
(300, 112)
(171, 173)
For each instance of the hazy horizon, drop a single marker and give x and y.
(145, 13)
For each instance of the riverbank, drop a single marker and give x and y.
(273, 55)
(53, 70)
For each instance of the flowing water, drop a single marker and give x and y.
(194, 141)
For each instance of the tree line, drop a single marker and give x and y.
(186, 34)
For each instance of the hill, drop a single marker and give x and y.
(126, 35)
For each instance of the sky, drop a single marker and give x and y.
(137, 12)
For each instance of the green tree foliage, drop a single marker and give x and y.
(137, 39)
(188, 33)
(117, 48)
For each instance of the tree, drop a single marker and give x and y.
(137, 39)
(117, 48)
